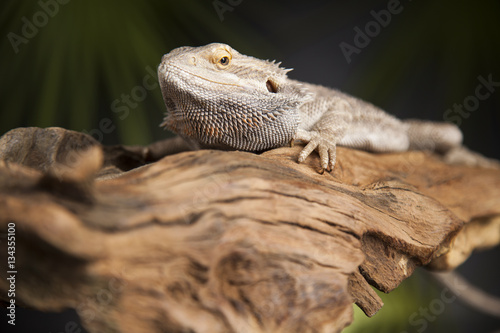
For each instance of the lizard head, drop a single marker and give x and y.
(218, 97)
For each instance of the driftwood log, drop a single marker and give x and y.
(215, 241)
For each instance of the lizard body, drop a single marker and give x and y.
(219, 98)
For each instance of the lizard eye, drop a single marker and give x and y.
(224, 61)
(221, 58)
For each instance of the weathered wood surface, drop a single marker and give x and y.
(214, 241)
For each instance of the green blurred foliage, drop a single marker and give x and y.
(73, 64)
(96, 60)
(407, 308)
(89, 59)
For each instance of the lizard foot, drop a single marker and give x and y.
(327, 149)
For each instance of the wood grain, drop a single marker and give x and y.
(215, 241)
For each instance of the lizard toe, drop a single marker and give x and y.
(308, 149)
(327, 156)
(325, 148)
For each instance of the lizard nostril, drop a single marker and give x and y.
(271, 87)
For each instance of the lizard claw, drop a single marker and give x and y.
(327, 149)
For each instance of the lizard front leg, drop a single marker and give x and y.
(324, 135)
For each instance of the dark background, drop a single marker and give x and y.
(90, 66)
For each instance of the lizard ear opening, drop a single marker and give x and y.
(271, 86)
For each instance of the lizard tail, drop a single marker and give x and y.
(439, 137)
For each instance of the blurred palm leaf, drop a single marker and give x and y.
(90, 54)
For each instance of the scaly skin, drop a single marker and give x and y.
(219, 98)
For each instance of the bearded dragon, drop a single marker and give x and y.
(219, 98)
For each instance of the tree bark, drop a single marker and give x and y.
(216, 241)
